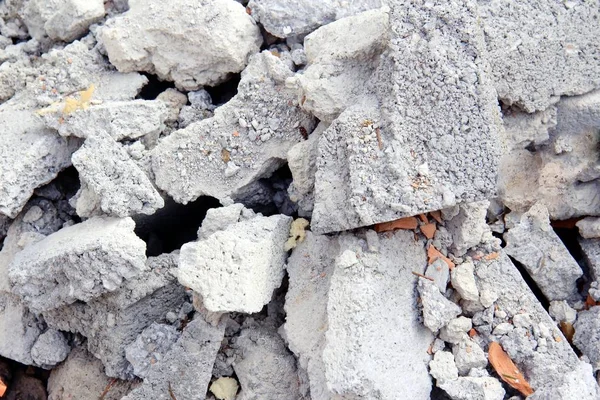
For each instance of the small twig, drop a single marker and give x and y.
(423, 276)
(171, 392)
(379, 142)
(107, 388)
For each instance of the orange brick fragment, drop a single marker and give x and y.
(492, 256)
(2, 388)
(507, 370)
(433, 254)
(402, 223)
(437, 215)
(428, 230)
(472, 332)
(423, 218)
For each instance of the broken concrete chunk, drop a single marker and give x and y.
(391, 155)
(467, 355)
(463, 280)
(112, 183)
(534, 244)
(468, 388)
(64, 20)
(266, 369)
(79, 262)
(522, 129)
(456, 330)
(220, 156)
(437, 310)
(224, 388)
(19, 329)
(442, 367)
(537, 69)
(577, 384)
(186, 369)
(562, 312)
(150, 347)
(218, 219)
(191, 43)
(440, 273)
(469, 226)
(237, 269)
(119, 120)
(284, 19)
(32, 156)
(82, 376)
(589, 227)
(587, 335)
(591, 255)
(50, 348)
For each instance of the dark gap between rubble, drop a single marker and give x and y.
(23, 381)
(438, 394)
(531, 283)
(173, 225)
(154, 87)
(225, 91)
(569, 238)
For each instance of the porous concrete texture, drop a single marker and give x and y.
(80, 262)
(111, 182)
(590, 249)
(114, 320)
(284, 19)
(237, 269)
(191, 43)
(586, 336)
(219, 156)
(530, 72)
(150, 347)
(466, 388)
(19, 329)
(186, 369)
(50, 348)
(534, 244)
(387, 161)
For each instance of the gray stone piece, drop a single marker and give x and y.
(591, 255)
(82, 376)
(442, 367)
(341, 296)
(587, 335)
(546, 367)
(288, 19)
(118, 119)
(469, 388)
(400, 152)
(237, 269)
(50, 348)
(111, 182)
(64, 20)
(186, 370)
(437, 310)
(19, 329)
(150, 347)
(79, 262)
(247, 139)
(191, 43)
(468, 227)
(529, 72)
(564, 173)
(266, 369)
(114, 320)
(440, 273)
(576, 384)
(467, 355)
(534, 244)
(589, 227)
(32, 156)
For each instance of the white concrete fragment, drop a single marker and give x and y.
(111, 183)
(218, 219)
(287, 19)
(266, 369)
(19, 329)
(463, 280)
(469, 226)
(32, 156)
(437, 310)
(589, 227)
(150, 347)
(186, 369)
(50, 348)
(468, 388)
(237, 269)
(534, 244)
(537, 68)
(64, 20)
(191, 43)
(467, 355)
(119, 119)
(456, 330)
(82, 376)
(196, 161)
(79, 262)
(562, 312)
(440, 273)
(443, 368)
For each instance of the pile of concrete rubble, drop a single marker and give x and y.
(399, 199)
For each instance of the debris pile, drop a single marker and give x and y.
(220, 199)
